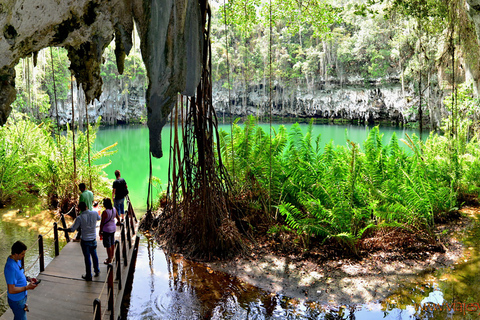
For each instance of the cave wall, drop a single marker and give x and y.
(171, 41)
(350, 99)
(473, 10)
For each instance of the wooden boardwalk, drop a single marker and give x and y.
(63, 294)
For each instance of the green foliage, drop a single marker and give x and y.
(460, 144)
(34, 164)
(296, 15)
(37, 90)
(341, 191)
(253, 153)
(242, 14)
(419, 9)
(61, 64)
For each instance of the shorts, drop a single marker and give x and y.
(108, 239)
(119, 205)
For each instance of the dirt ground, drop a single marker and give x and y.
(345, 280)
(42, 221)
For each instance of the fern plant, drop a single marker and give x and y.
(339, 192)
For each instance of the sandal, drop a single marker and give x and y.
(106, 261)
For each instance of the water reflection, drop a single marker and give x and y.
(170, 287)
(449, 293)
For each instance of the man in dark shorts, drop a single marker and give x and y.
(119, 192)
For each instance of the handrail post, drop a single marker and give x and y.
(97, 309)
(64, 225)
(117, 264)
(132, 224)
(40, 253)
(124, 245)
(131, 270)
(127, 220)
(110, 288)
(130, 208)
(55, 239)
(129, 236)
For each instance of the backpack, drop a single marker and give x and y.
(122, 190)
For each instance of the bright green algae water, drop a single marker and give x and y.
(133, 161)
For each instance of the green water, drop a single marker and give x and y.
(168, 287)
(133, 162)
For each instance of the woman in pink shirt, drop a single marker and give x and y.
(108, 228)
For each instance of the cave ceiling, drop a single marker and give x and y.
(171, 43)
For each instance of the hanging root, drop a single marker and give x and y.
(197, 230)
(196, 220)
(147, 222)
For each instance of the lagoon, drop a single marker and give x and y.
(132, 158)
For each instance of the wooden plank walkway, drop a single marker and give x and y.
(63, 294)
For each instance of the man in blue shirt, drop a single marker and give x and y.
(87, 221)
(17, 282)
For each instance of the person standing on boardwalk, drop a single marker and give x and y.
(86, 196)
(119, 192)
(108, 228)
(87, 221)
(17, 282)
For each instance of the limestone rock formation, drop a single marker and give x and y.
(170, 32)
(473, 9)
(382, 102)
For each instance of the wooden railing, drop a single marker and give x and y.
(114, 295)
(123, 251)
(41, 252)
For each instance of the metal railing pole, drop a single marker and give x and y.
(64, 225)
(110, 288)
(55, 239)
(124, 245)
(117, 264)
(134, 257)
(132, 223)
(41, 253)
(129, 236)
(97, 309)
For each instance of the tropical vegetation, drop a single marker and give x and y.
(292, 47)
(338, 192)
(37, 164)
(286, 178)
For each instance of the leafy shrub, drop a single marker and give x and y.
(34, 163)
(341, 191)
